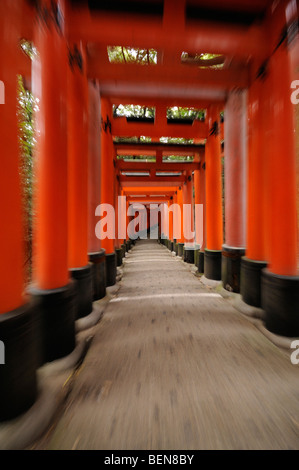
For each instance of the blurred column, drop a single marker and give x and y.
(95, 252)
(188, 219)
(118, 241)
(52, 287)
(170, 215)
(77, 132)
(280, 281)
(235, 150)
(199, 199)
(257, 236)
(214, 224)
(107, 186)
(18, 334)
(180, 240)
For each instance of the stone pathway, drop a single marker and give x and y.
(174, 366)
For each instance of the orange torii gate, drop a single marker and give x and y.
(252, 249)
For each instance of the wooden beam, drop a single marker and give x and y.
(183, 75)
(148, 180)
(171, 149)
(122, 128)
(150, 32)
(149, 166)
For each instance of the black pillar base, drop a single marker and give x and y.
(201, 261)
(181, 249)
(57, 315)
(280, 300)
(19, 333)
(128, 245)
(123, 246)
(97, 260)
(176, 248)
(189, 255)
(84, 290)
(230, 267)
(119, 257)
(212, 264)
(110, 269)
(170, 245)
(250, 281)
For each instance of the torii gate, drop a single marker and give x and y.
(76, 166)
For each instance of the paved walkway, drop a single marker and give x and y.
(174, 366)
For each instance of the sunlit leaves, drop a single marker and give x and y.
(131, 55)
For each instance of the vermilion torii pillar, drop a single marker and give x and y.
(280, 281)
(18, 332)
(107, 185)
(118, 240)
(188, 219)
(95, 251)
(235, 150)
(214, 224)
(170, 226)
(180, 240)
(257, 236)
(52, 287)
(78, 121)
(199, 198)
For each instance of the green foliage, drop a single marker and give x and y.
(141, 158)
(27, 141)
(28, 48)
(130, 110)
(141, 139)
(178, 158)
(202, 57)
(177, 112)
(176, 140)
(131, 55)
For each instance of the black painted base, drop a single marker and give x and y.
(280, 300)
(19, 359)
(119, 257)
(170, 247)
(84, 290)
(123, 246)
(250, 281)
(201, 261)
(97, 260)
(231, 267)
(57, 315)
(110, 269)
(128, 245)
(189, 255)
(212, 264)
(181, 249)
(176, 248)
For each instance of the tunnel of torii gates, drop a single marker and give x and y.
(76, 164)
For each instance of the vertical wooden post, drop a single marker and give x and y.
(280, 281)
(18, 332)
(188, 219)
(107, 185)
(78, 109)
(214, 225)
(96, 253)
(52, 287)
(235, 138)
(257, 236)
